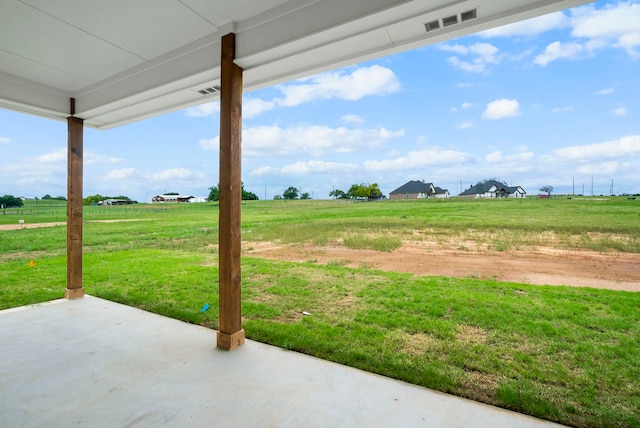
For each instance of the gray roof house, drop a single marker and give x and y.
(416, 189)
(441, 193)
(493, 189)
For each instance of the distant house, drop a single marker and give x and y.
(441, 193)
(171, 199)
(493, 189)
(418, 190)
(116, 202)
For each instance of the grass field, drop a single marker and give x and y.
(566, 354)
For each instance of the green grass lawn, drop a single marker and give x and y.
(566, 354)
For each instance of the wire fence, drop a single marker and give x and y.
(60, 210)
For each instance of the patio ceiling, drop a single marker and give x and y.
(126, 60)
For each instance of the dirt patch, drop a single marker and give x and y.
(59, 223)
(471, 334)
(552, 266)
(30, 225)
(415, 344)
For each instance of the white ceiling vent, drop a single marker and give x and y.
(451, 20)
(433, 25)
(210, 90)
(468, 15)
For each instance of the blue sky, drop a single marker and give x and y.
(550, 101)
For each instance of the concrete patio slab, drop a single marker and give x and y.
(91, 362)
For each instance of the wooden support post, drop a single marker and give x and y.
(230, 332)
(75, 125)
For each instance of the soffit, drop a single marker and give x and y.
(125, 60)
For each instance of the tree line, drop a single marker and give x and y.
(292, 193)
(214, 194)
(358, 191)
(10, 201)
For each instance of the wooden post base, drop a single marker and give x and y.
(231, 341)
(73, 293)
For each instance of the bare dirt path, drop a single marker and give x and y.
(58, 223)
(614, 271)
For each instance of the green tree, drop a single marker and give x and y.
(547, 189)
(358, 191)
(338, 194)
(277, 197)
(290, 193)
(93, 199)
(374, 191)
(354, 191)
(361, 191)
(214, 194)
(248, 196)
(305, 195)
(10, 201)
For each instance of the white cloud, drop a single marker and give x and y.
(617, 24)
(612, 26)
(603, 168)
(170, 174)
(311, 167)
(523, 163)
(619, 111)
(419, 159)
(5, 140)
(605, 91)
(502, 108)
(499, 157)
(94, 158)
(362, 82)
(561, 109)
(352, 118)
(305, 168)
(465, 125)
(529, 27)
(253, 107)
(481, 49)
(482, 55)
(622, 148)
(210, 144)
(264, 171)
(59, 155)
(119, 174)
(558, 50)
(316, 140)
(204, 110)
(463, 106)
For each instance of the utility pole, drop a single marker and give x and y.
(573, 189)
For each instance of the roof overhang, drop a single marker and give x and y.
(124, 60)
